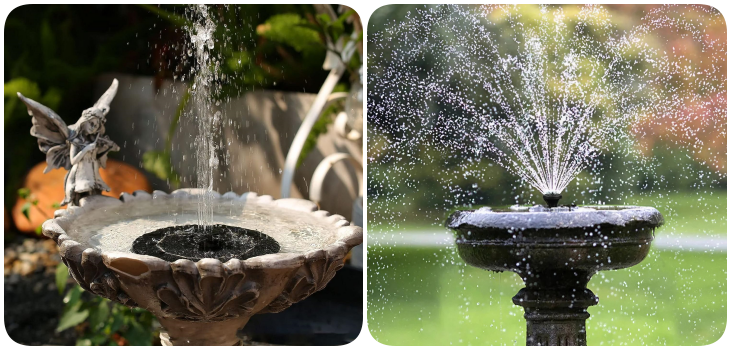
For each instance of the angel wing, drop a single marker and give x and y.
(52, 134)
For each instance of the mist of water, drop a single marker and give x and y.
(543, 97)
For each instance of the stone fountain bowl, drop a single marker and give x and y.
(204, 302)
(555, 251)
(528, 240)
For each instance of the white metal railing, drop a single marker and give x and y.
(290, 163)
(335, 63)
(318, 177)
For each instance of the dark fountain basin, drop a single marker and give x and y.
(555, 251)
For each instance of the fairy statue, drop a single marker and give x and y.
(81, 148)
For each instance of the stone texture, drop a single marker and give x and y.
(208, 301)
(555, 252)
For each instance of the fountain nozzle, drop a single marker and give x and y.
(552, 199)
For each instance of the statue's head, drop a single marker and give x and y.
(91, 121)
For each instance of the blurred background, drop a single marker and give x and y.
(272, 65)
(421, 293)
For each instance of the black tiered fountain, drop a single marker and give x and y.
(555, 250)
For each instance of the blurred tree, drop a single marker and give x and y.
(482, 182)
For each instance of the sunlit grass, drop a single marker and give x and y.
(690, 213)
(428, 297)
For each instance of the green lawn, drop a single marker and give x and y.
(689, 213)
(426, 296)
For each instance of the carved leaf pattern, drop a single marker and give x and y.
(200, 297)
(310, 278)
(205, 291)
(95, 277)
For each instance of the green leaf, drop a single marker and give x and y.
(176, 120)
(48, 40)
(71, 318)
(310, 26)
(137, 335)
(25, 209)
(344, 17)
(39, 230)
(289, 29)
(159, 164)
(323, 19)
(320, 127)
(99, 314)
(26, 87)
(9, 109)
(56, 205)
(52, 98)
(29, 89)
(83, 342)
(117, 320)
(73, 298)
(337, 27)
(98, 339)
(62, 276)
(34, 202)
(23, 193)
(239, 60)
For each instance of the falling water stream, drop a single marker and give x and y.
(207, 117)
(206, 114)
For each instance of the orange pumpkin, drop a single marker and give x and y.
(47, 189)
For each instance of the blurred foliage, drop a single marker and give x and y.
(435, 179)
(293, 30)
(54, 52)
(99, 321)
(31, 200)
(160, 164)
(258, 46)
(283, 47)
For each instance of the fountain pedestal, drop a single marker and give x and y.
(555, 321)
(179, 332)
(556, 252)
(556, 314)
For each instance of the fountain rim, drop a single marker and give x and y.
(348, 235)
(519, 218)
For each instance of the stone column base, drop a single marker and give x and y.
(555, 317)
